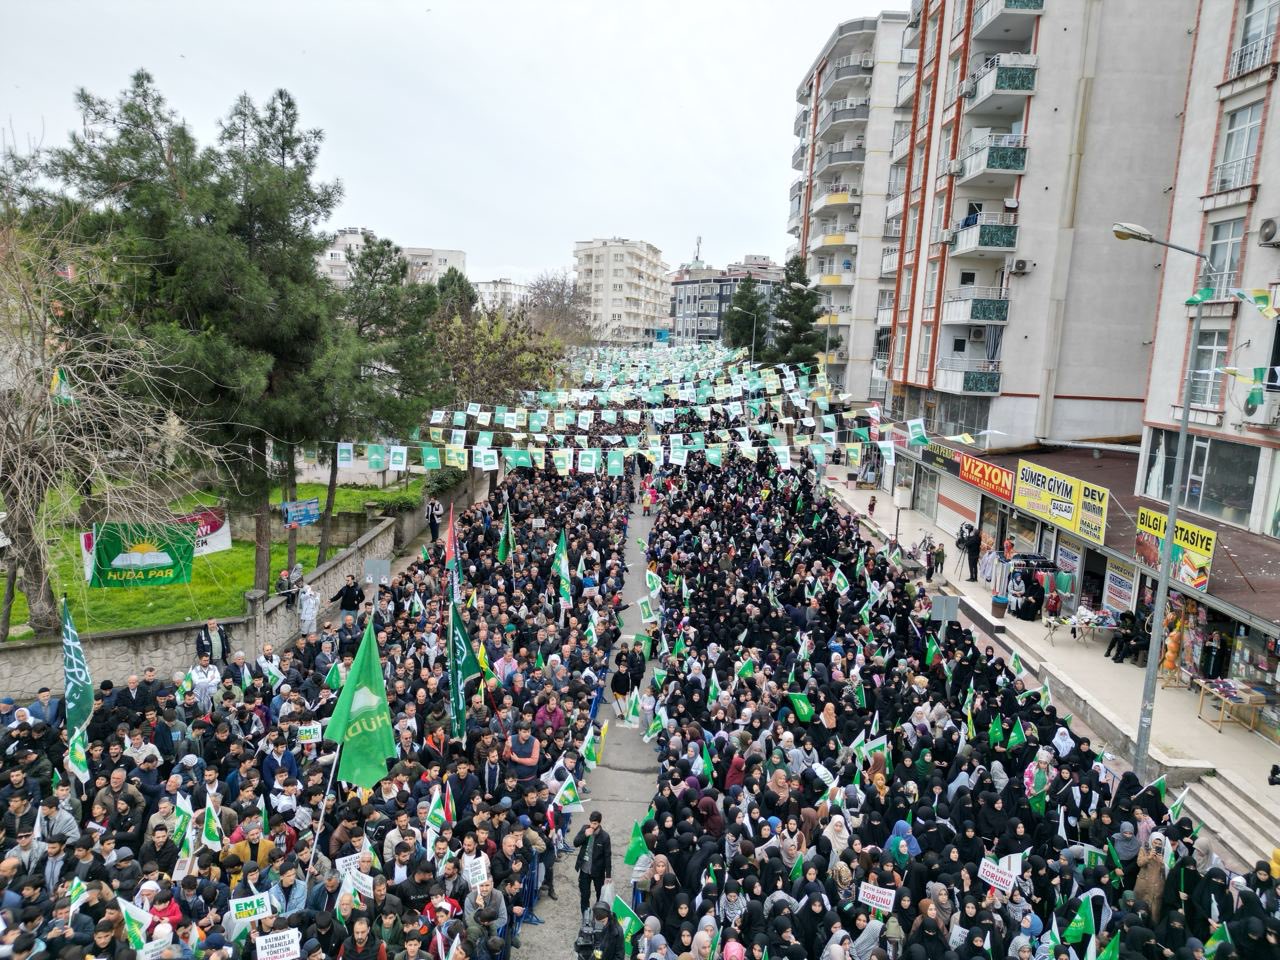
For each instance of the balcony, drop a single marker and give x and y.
(889, 262)
(797, 188)
(802, 122)
(793, 224)
(884, 312)
(1003, 84)
(847, 69)
(841, 113)
(892, 230)
(973, 304)
(1232, 175)
(845, 279)
(798, 158)
(1006, 19)
(841, 154)
(906, 91)
(834, 241)
(956, 374)
(837, 194)
(834, 315)
(893, 206)
(985, 235)
(994, 161)
(900, 147)
(1249, 57)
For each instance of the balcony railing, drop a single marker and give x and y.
(990, 8)
(889, 261)
(1232, 174)
(986, 219)
(1250, 57)
(1220, 282)
(963, 375)
(971, 304)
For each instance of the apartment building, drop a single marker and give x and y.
(1029, 126)
(701, 295)
(627, 282)
(845, 125)
(1226, 202)
(503, 294)
(426, 264)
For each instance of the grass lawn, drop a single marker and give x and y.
(346, 499)
(218, 583)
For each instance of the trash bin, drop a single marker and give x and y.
(999, 606)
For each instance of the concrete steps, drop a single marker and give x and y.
(1247, 826)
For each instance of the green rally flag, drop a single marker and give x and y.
(210, 832)
(931, 650)
(708, 765)
(1200, 296)
(1112, 950)
(746, 669)
(797, 869)
(1017, 736)
(1015, 665)
(860, 696)
(1219, 936)
(1082, 924)
(995, 733)
(508, 541)
(361, 720)
(1175, 808)
(79, 695)
(1159, 785)
(637, 848)
(561, 569)
(803, 708)
(136, 923)
(841, 581)
(630, 922)
(463, 668)
(333, 679)
(567, 796)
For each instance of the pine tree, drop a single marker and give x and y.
(748, 315)
(796, 340)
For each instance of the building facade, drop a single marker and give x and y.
(1013, 310)
(845, 126)
(629, 295)
(701, 295)
(426, 264)
(501, 294)
(1226, 202)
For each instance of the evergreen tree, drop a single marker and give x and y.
(748, 314)
(796, 340)
(457, 296)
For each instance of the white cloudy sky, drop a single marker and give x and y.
(507, 129)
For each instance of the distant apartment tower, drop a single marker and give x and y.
(1028, 127)
(426, 264)
(501, 294)
(701, 295)
(845, 125)
(627, 286)
(1226, 202)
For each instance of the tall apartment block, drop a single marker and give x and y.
(845, 125)
(1028, 127)
(426, 264)
(1226, 202)
(627, 281)
(701, 295)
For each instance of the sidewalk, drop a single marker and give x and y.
(1116, 689)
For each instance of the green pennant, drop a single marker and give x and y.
(1017, 737)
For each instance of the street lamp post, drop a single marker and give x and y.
(1142, 746)
(754, 318)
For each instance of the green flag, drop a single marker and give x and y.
(797, 869)
(630, 922)
(79, 695)
(746, 669)
(211, 832)
(463, 668)
(567, 796)
(931, 650)
(1219, 936)
(136, 923)
(1112, 950)
(860, 696)
(995, 733)
(1082, 924)
(637, 848)
(1015, 665)
(1200, 296)
(1159, 785)
(708, 765)
(803, 708)
(361, 720)
(562, 570)
(508, 541)
(841, 581)
(1175, 808)
(1017, 737)
(333, 679)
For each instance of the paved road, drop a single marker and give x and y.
(621, 788)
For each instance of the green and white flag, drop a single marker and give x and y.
(508, 541)
(567, 796)
(646, 610)
(633, 709)
(653, 582)
(1175, 808)
(562, 570)
(333, 679)
(361, 720)
(79, 696)
(628, 918)
(136, 923)
(841, 581)
(183, 827)
(211, 832)
(271, 674)
(77, 893)
(463, 668)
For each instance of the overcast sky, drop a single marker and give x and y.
(506, 129)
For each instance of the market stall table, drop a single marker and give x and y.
(1228, 705)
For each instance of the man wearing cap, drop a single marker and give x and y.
(313, 950)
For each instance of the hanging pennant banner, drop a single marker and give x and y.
(399, 458)
(346, 454)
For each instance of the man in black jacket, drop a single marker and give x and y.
(610, 941)
(595, 859)
(349, 596)
(212, 639)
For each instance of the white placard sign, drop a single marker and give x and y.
(282, 945)
(309, 733)
(348, 864)
(248, 909)
(477, 872)
(995, 875)
(881, 898)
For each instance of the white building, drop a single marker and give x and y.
(845, 125)
(503, 294)
(1013, 309)
(1226, 202)
(426, 264)
(701, 295)
(629, 295)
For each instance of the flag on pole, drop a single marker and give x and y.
(797, 869)
(361, 720)
(507, 543)
(995, 733)
(1219, 936)
(567, 797)
(452, 563)
(333, 679)
(637, 848)
(272, 675)
(1158, 785)
(1082, 924)
(438, 813)
(79, 696)
(561, 569)
(1175, 808)
(630, 921)
(841, 581)
(931, 650)
(183, 831)
(463, 668)
(211, 832)
(136, 923)
(1017, 736)
(803, 708)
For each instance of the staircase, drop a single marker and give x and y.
(1248, 827)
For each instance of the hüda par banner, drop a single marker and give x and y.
(137, 555)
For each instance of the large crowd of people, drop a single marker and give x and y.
(841, 777)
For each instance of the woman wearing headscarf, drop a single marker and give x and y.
(1171, 931)
(839, 946)
(1149, 884)
(866, 935)
(1210, 903)
(1126, 846)
(680, 914)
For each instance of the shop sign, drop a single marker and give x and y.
(1117, 590)
(1063, 500)
(943, 458)
(987, 477)
(1193, 547)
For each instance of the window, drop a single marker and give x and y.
(1259, 27)
(617, 273)
(617, 288)
(957, 19)
(1206, 368)
(1224, 254)
(617, 258)
(335, 254)
(442, 261)
(1220, 475)
(1239, 146)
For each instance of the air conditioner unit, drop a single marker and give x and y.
(1269, 233)
(977, 334)
(1264, 414)
(868, 62)
(1019, 266)
(954, 167)
(967, 88)
(948, 236)
(842, 354)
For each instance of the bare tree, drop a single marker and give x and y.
(560, 309)
(85, 409)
